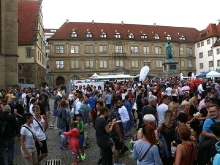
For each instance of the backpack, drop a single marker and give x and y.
(206, 149)
(216, 159)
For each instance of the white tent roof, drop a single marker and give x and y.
(213, 74)
(120, 76)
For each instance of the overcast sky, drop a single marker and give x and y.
(181, 13)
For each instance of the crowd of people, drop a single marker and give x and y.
(170, 122)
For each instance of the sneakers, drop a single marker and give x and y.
(51, 126)
(83, 156)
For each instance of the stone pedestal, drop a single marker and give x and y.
(170, 67)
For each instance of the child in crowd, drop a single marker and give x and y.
(73, 135)
(80, 126)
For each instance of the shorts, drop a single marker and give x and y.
(43, 149)
(118, 145)
(86, 130)
(46, 108)
(32, 156)
(81, 141)
(54, 113)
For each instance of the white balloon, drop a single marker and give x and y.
(143, 73)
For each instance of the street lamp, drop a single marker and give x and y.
(181, 38)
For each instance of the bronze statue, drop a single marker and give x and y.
(169, 52)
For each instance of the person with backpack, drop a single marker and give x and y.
(207, 141)
(215, 128)
(85, 110)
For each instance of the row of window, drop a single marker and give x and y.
(200, 44)
(89, 49)
(118, 35)
(118, 64)
(210, 53)
(201, 66)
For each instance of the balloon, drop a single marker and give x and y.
(181, 76)
(143, 73)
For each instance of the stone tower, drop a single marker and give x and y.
(8, 43)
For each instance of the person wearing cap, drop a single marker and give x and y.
(150, 108)
(12, 103)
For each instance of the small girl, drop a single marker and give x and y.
(73, 135)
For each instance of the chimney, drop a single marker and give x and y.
(155, 25)
(217, 21)
(67, 20)
(93, 22)
(122, 22)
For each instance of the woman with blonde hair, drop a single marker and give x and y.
(174, 107)
(174, 93)
(193, 112)
(167, 132)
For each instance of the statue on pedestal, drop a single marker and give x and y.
(169, 52)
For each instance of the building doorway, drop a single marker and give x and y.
(60, 81)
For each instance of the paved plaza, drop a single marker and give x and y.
(92, 154)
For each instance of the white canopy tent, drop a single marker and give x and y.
(119, 76)
(213, 74)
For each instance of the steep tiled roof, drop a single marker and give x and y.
(81, 28)
(210, 31)
(27, 15)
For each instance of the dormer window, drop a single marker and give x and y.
(74, 35)
(88, 34)
(156, 37)
(117, 35)
(168, 37)
(182, 37)
(131, 35)
(143, 36)
(103, 35)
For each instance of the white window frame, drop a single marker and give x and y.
(158, 50)
(134, 49)
(144, 36)
(102, 49)
(208, 41)
(218, 62)
(74, 64)
(119, 63)
(146, 50)
(201, 65)
(218, 51)
(59, 49)
(118, 49)
(74, 49)
(189, 51)
(210, 52)
(201, 55)
(182, 64)
(156, 37)
(103, 64)
(89, 64)
(159, 64)
(28, 52)
(147, 63)
(59, 64)
(202, 43)
(134, 64)
(190, 63)
(211, 62)
(89, 49)
(198, 45)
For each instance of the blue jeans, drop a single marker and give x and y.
(62, 140)
(11, 144)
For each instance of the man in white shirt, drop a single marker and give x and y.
(169, 90)
(79, 103)
(200, 88)
(162, 108)
(185, 88)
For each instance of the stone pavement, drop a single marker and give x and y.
(92, 154)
